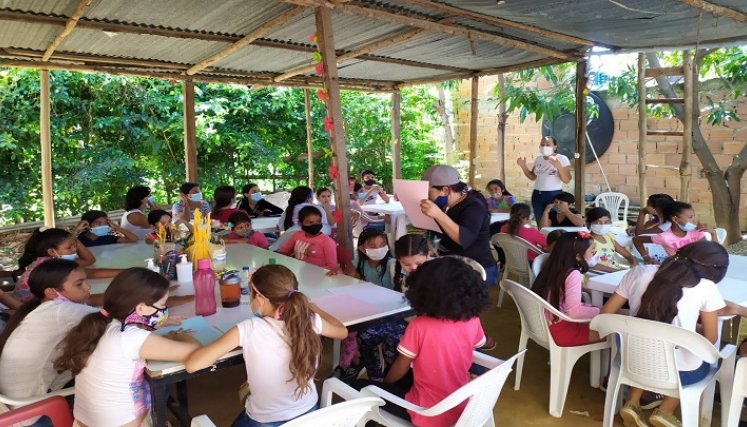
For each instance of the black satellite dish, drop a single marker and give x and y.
(600, 130)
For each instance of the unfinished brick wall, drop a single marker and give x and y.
(620, 162)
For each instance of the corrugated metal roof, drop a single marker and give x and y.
(188, 31)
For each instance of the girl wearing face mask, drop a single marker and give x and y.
(242, 231)
(28, 345)
(309, 244)
(371, 189)
(46, 243)
(255, 205)
(281, 348)
(685, 229)
(98, 228)
(599, 222)
(137, 201)
(560, 281)
(499, 199)
(190, 198)
(107, 351)
(550, 171)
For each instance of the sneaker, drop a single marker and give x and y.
(650, 400)
(348, 374)
(632, 415)
(660, 419)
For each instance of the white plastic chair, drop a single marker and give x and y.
(721, 235)
(202, 421)
(472, 263)
(537, 266)
(351, 413)
(647, 361)
(517, 262)
(738, 394)
(7, 402)
(612, 202)
(481, 394)
(534, 325)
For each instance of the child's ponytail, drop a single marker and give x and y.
(40, 243)
(128, 289)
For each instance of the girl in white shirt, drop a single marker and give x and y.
(106, 352)
(29, 344)
(281, 346)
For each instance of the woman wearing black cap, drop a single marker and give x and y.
(463, 217)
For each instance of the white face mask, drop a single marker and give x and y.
(377, 254)
(547, 151)
(601, 228)
(593, 261)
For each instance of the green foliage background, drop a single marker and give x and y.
(112, 132)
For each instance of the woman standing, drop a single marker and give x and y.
(550, 171)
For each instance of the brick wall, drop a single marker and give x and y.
(620, 162)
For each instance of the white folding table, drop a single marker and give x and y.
(548, 230)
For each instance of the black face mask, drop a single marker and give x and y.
(312, 229)
(370, 182)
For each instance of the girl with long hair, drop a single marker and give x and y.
(224, 200)
(281, 346)
(518, 225)
(106, 352)
(560, 282)
(499, 200)
(685, 229)
(411, 250)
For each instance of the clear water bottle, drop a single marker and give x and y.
(204, 282)
(245, 271)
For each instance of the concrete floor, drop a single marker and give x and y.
(216, 394)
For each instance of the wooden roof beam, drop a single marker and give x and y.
(247, 39)
(717, 10)
(493, 20)
(426, 24)
(69, 27)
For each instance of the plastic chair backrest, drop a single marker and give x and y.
(537, 264)
(721, 235)
(515, 249)
(647, 349)
(56, 408)
(346, 414)
(740, 378)
(532, 309)
(472, 263)
(202, 421)
(612, 202)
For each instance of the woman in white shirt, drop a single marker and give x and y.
(550, 171)
(29, 344)
(679, 292)
(137, 200)
(107, 351)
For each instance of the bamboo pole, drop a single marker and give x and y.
(642, 130)
(473, 113)
(687, 133)
(69, 27)
(502, 117)
(324, 33)
(580, 155)
(246, 40)
(309, 136)
(46, 149)
(190, 145)
(396, 142)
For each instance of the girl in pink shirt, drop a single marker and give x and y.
(242, 231)
(685, 230)
(560, 282)
(310, 244)
(518, 225)
(449, 296)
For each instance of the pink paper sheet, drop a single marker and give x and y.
(410, 193)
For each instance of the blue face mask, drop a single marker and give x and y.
(441, 201)
(196, 197)
(361, 196)
(69, 257)
(255, 197)
(101, 230)
(688, 226)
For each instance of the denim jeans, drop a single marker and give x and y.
(491, 276)
(243, 420)
(540, 199)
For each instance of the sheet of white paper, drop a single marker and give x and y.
(198, 327)
(410, 193)
(373, 294)
(347, 309)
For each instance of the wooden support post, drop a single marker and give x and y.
(334, 111)
(46, 149)
(309, 136)
(396, 142)
(473, 113)
(190, 144)
(580, 155)
(502, 117)
(687, 133)
(642, 130)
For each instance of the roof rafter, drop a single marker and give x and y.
(717, 10)
(247, 39)
(69, 27)
(427, 24)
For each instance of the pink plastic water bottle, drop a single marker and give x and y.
(204, 282)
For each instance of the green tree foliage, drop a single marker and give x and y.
(112, 132)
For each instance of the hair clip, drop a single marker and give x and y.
(291, 292)
(583, 234)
